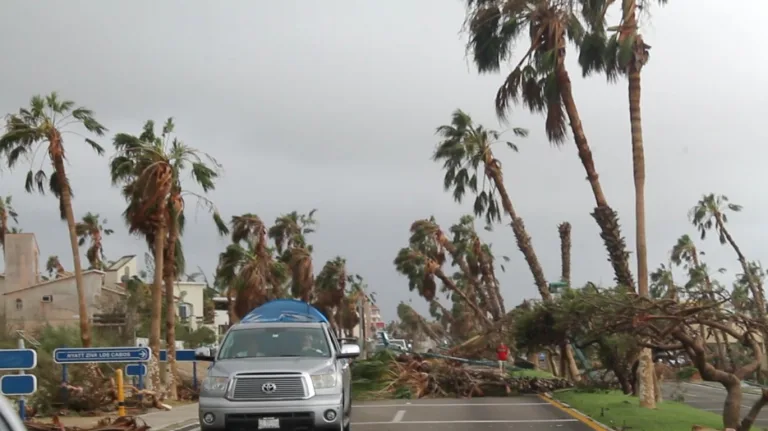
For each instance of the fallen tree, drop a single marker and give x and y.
(412, 376)
(107, 424)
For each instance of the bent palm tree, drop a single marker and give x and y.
(464, 150)
(289, 233)
(92, 228)
(43, 126)
(540, 82)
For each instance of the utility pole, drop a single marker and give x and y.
(363, 328)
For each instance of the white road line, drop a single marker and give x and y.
(501, 421)
(382, 406)
(398, 416)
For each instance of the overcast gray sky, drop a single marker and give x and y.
(333, 104)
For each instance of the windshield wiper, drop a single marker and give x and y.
(288, 356)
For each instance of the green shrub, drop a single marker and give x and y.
(686, 373)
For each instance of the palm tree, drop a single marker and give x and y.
(248, 269)
(330, 290)
(289, 234)
(568, 362)
(54, 268)
(540, 81)
(421, 262)
(471, 264)
(710, 213)
(92, 228)
(43, 125)
(464, 149)
(6, 211)
(150, 167)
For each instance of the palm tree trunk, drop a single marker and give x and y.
(452, 286)
(710, 294)
(157, 305)
(169, 270)
(521, 236)
(646, 380)
(566, 350)
(604, 215)
(66, 207)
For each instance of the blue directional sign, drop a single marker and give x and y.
(96, 355)
(18, 384)
(182, 355)
(136, 370)
(18, 359)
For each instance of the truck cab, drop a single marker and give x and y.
(280, 367)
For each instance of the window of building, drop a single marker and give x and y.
(47, 298)
(19, 304)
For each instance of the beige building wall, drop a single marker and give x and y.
(191, 294)
(125, 266)
(54, 302)
(22, 260)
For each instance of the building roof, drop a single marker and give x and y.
(50, 282)
(121, 262)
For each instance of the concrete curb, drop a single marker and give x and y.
(576, 414)
(187, 425)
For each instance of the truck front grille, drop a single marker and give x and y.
(264, 387)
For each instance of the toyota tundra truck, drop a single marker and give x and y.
(280, 368)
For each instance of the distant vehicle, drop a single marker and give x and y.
(280, 367)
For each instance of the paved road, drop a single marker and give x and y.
(529, 413)
(490, 414)
(711, 399)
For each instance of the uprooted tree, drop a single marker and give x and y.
(686, 324)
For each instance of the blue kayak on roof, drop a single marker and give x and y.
(284, 310)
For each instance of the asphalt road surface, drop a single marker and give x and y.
(489, 414)
(527, 413)
(711, 399)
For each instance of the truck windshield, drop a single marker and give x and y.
(275, 343)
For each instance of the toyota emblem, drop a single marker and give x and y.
(268, 388)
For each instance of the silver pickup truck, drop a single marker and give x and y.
(278, 370)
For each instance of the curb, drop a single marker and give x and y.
(187, 425)
(579, 416)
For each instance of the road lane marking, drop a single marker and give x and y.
(381, 406)
(479, 421)
(578, 417)
(398, 416)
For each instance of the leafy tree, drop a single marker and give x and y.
(43, 125)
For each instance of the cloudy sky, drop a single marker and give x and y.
(333, 105)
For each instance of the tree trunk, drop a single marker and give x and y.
(521, 235)
(65, 203)
(604, 215)
(534, 359)
(169, 270)
(551, 363)
(732, 406)
(565, 275)
(573, 369)
(157, 304)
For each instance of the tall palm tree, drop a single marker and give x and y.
(43, 125)
(290, 236)
(6, 212)
(465, 149)
(149, 167)
(541, 82)
(92, 228)
(568, 362)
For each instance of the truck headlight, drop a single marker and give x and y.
(215, 386)
(323, 381)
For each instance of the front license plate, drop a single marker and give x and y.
(269, 423)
